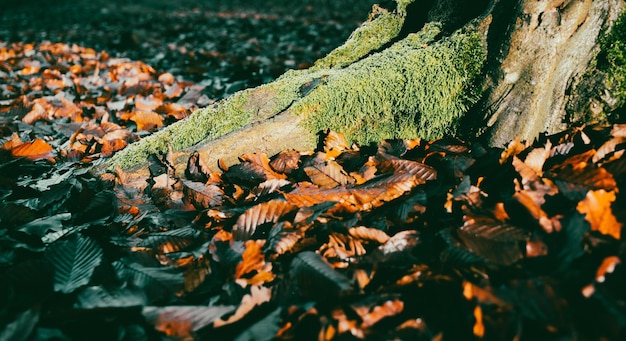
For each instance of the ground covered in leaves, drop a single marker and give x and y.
(410, 239)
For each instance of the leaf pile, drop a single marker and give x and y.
(404, 240)
(224, 45)
(73, 103)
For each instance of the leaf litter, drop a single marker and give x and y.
(401, 240)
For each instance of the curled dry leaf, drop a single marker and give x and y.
(285, 162)
(369, 234)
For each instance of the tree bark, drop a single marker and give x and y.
(475, 68)
(540, 52)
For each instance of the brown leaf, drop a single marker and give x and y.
(514, 148)
(197, 169)
(597, 210)
(258, 163)
(173, 110)
(116, 140)
(369, 234)
(286, 161)
(202, 196)
(418, 169)
(327, 174)
(537, 157)
(356, 198)
(265, 212)
(334, 143)
(371, 316)
(196, 273)
(608, 149)
(619, 130)
(587, 176)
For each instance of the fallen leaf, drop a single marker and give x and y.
(34, 150)
(598, 212)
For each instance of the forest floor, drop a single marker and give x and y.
(404, 239)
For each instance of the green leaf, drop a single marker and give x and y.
(74, 261)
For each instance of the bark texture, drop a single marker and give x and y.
(546, 49)
(497, 69)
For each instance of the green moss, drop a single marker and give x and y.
(613, 59)
(373, 34)
(416, 87)
(243, 108)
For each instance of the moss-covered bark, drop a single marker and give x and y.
(417, 86)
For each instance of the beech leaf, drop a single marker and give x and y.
(597, 210)
(74, 261)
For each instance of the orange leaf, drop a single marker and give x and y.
(146, 120)
(258, 295)
(368, 233)
(176, 111)
(251, 259)
(597, 209)
(37, 149)
(334, 143)
(479, 327)
(607, 267)
(12, 143)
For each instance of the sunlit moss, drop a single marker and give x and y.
(381, 27)
(416, 87)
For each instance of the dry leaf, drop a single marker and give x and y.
(147, 120)
(262, 213)
(597, 210)
(34, 150)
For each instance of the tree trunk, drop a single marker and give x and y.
(496, 69)
(539, 54)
